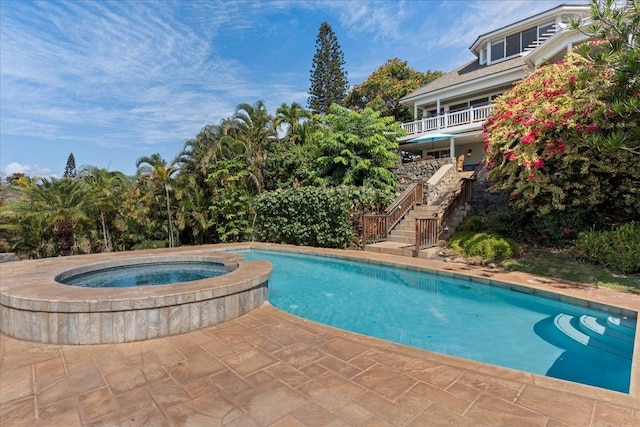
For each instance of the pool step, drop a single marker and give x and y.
(572, 327)
(595, 328)
(626, 325)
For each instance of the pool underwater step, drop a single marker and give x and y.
(622, 324)
(602, 341)
(594, 328)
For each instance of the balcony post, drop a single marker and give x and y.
(451, 148)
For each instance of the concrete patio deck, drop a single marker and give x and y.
(272, 368)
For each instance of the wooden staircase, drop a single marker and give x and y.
(401, 239)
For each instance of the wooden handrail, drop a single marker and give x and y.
(410, 197)
(429, 230)
(375, 228)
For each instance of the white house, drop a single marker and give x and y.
(450, 111)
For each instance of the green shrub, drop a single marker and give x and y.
(505, 223)
(554, 229)
(488, 246)
(314, 216)
(618, 249)
(473, 223)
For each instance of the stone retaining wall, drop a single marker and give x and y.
(423, 171)
(481, 199)
(408, 173)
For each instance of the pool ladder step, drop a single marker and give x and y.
(586, 330)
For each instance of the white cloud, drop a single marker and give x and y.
(28, 170)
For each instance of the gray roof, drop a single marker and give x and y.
(470, 71)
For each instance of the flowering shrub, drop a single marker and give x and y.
(538, 145)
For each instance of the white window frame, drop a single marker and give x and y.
(489, 46)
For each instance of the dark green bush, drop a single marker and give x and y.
(505, 223)
(315, 216)
(554, 229)
(488, 246)
(473, 223)
(618, 249)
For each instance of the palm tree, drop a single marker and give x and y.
(294, 117)
(106, 187)
(193, 211)
(156, 169)
(253, 127)
(59, 205)
(199, 152)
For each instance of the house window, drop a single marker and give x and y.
(497, 50)
(483, 56)
(458, 107)
(513, 44)
(479, 102)
(546, 30)
(438, 154)
(528, 37)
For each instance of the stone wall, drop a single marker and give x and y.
(421, 171)
(481, 199)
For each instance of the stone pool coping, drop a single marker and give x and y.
(35, 307)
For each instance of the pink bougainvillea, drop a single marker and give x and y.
(530, 128)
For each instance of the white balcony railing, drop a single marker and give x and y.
(448, 120)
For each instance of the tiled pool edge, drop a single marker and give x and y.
(48, 312)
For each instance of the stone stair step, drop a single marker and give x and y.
(403, 233)
(391, 248)
(400, 239)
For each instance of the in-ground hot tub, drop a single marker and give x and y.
(36, 307)
(153, 273)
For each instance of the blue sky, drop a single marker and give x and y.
(113, 81)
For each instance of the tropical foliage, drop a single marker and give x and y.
(617, 249)
(384, 88)
(357, 148)
(55, 209)
(154, 172)
(615, 50)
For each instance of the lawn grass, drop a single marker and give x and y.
(562, 265)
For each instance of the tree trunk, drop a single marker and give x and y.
(166, 190)
(63, 228)
(106, 244)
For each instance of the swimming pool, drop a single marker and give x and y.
(455, 317)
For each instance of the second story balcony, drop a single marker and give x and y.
(449, 121)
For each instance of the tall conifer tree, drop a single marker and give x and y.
(329, 82)
(70, 170)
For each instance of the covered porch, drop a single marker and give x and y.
(433, 145)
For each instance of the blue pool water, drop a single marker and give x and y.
(455, 317)
(147, 274)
